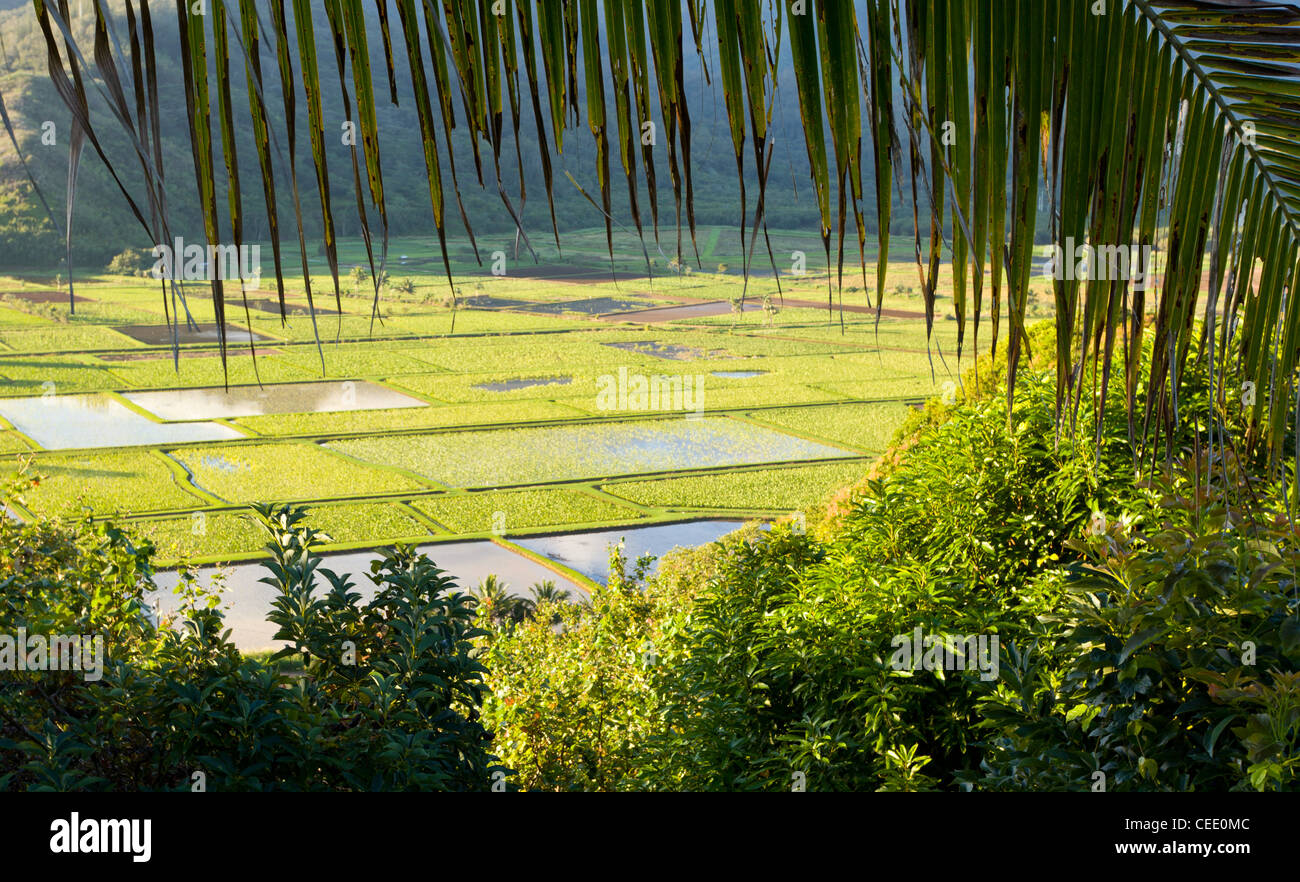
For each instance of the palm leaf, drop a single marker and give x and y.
(303, 28)
(1125, 128)
(250, 27)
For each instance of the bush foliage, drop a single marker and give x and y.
(1146, 627)
(387, 698)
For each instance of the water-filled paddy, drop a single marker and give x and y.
(267, 304)
(589, 306)
(681, 313)
(588, 553)
(258, 472)
(249, 600)
(486, 301)
(241, 401)
(58, 422)
(161, 335)
(512, 385)
(106, 482)
(671, 351)
(503, 457)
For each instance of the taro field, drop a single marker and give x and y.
(558, 397)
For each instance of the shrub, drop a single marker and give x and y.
(131, 262)
(1119, 651)
(387, 696)
(577, 689)
(786, 663)
(1177, 665)
(1165, 658)
(571, 700)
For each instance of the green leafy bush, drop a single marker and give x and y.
(386, 698)
(131, 262)
(1163, 657)
(787, 666)
(570, 698)
(1177, 660)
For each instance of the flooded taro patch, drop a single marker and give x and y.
(503, 512)
(242, 401)
(512, 385)
(220, 463)
(434, 416)
(504, 457)
(487, 301)
(866, 426)
(268, 304)
(670, 351)
(588, 553)
(786, 489)
(588, 306)
(58, 422)
(165, 335)
(256, 472)
(222, 536)
(681, 313)
(250, 600)
(106, 483)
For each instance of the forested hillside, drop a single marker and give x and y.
(103, 225)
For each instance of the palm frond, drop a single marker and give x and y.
(1167, 124)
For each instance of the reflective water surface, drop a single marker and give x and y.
(214, 401)
(58, 422)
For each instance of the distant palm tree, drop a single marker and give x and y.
(491, 588)
(547, 590)
(499, 605)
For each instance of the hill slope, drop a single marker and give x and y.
(103, 225)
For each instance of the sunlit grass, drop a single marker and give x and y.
(789, 488)
(508, 511)
(269, 472)
(118, 481)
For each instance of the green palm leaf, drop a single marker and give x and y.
(1163, 123)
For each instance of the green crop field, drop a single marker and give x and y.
(510, 511)
(524, 416)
